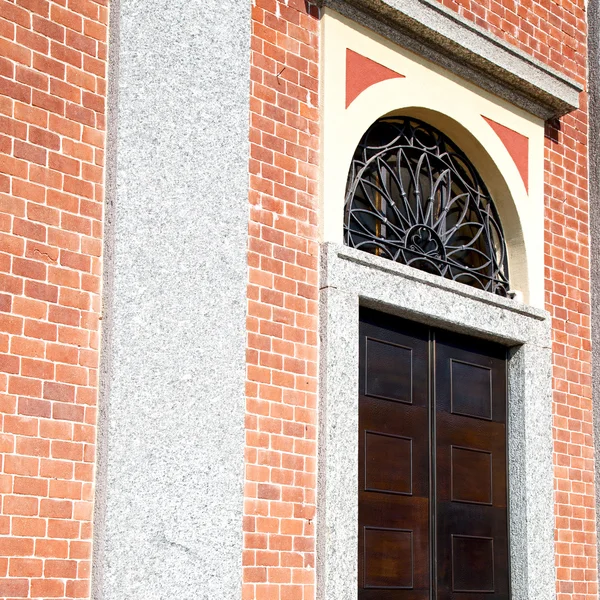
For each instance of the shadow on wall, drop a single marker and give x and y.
(552, 130)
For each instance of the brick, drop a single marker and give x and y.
(44, 138)
(15, 52)
(13, 128)
(58, 391)
(64, 90)
(25, 386)
(29, 308)
(25, 567)
(56, 509)
(65, 127)
(15, 13)
(17, 168)
(81, 79)
(37, 368)
(68, 412)
(45, 176)
(66, 489)
(59, 528)
(56, 469)
(41, 291)
(66, 54)
(31, 78)
(20, 505)
(81, 42)
(63, 164)
(52, 548)
(17, 588)
(13, 546)
(32, 231)
(47, 588)
(56, 430)
(80, 550)
(82, 115)
(5, 302)
(48, 28)
(78, 150)
(23, 426)
(32, 40)
(78, 589)
(48, 65)
(29, 268)
(66, 569)
(29, 191)
(66, 316)
(40, 330)
(29, 485)
(75, 260)
(95, 30)
(62, 202)
(46, 101)
(34, 407)
(9, 364)
(67, 450)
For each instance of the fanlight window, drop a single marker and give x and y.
(415, 198)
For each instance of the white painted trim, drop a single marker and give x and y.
(461, 46)
(454, 106)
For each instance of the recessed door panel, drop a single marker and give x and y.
(388, 370)
(388, 463)
(389, 558)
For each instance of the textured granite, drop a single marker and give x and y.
(594, 171)
(444, 37)
(337, 504)
(168, 520)
(350, 278)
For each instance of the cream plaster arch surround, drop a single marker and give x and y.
(454, 106)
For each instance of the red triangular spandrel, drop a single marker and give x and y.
(517, 145)
(362, 72)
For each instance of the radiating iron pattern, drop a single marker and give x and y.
(415, 198)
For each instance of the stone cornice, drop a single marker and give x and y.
(444, 37)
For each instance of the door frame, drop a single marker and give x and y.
(349, 279)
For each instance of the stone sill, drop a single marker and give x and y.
(378, 263)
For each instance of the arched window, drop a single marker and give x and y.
(415, 198)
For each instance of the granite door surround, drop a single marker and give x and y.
(350, 279)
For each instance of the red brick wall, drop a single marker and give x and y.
(52, 99)
(282, 304)
(555, 33)
(568, 301)
(276, 460)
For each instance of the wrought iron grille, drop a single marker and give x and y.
(415, 198)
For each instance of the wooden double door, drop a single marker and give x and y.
(432, 491)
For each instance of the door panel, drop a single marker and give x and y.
(393, 460)
(432, 464)
(472, 528)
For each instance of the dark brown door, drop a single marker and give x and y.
(432, 464)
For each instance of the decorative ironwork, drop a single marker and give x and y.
(415, 198)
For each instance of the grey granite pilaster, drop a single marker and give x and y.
(337, 555)
(594, 204)
(168, 520)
